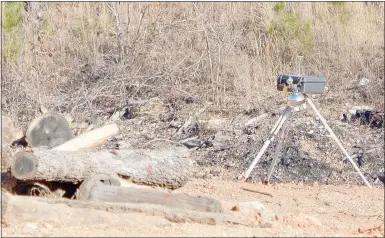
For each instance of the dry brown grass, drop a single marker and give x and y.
(85, 57)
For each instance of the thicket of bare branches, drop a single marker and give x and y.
(83, 58)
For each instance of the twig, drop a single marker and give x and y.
(148, 142)
(208, 51)
(45, 189)
(117, 28)
(256, 191)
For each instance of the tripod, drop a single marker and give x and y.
(289, 109)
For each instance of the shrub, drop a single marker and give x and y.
(12, 22)
(290, 27)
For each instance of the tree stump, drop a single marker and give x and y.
(48, 130)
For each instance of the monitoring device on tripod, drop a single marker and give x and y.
(301, 84)
(296, 89)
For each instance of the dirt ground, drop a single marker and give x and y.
(301, 210)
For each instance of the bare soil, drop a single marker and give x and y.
(301, 210)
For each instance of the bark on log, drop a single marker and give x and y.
(90, 139)
(169, 167)
(48, 130)
(97, 188)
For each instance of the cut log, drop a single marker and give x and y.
(98, 189)
(169, 167)
(90, 139)
(88, 184)
(26, 209)
(48, 130)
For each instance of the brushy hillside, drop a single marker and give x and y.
(86, 58)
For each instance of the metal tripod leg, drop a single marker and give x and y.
(286, 113)
(276, 154)
(336, 140)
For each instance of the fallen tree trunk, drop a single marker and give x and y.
(106, 188)
(29, 207)
(152, 196)
(90, 139)
(170, 167)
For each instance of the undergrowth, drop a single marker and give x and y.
(89, 57)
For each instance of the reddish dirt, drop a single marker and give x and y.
(300, 210)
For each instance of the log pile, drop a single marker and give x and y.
(54, 156)
(168, 167)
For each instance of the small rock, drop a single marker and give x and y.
(286, 161)
(266, 225)
(30, 227)
(43, 109)
(381, 178)
(188, 100)
(268, 216)
(364, 81)
(90, 127)
(82, 125)
(49, 226)
(254, 205)
(256, 119)
(213, 124)
(59, 192)
(115, 116)
(322, 210)
(127, 114)
(69, 118)
(310, 132)
(313, 220)
(215, 172)
(255, 209)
